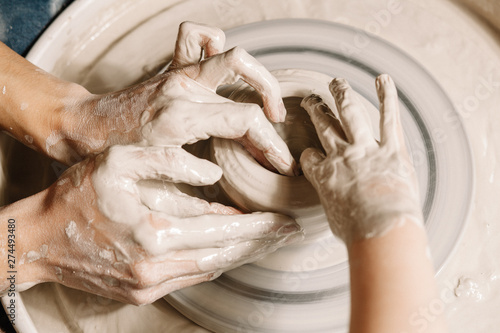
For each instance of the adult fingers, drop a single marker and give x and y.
(232, 256)
(391, 131)
(187, 263)
(163, 196)
(211, 231)
(257, 154)
(230, 66)
(237, 120)
(180, 269)
(328, 127)
(156, 287)
(168, 163)
(192, 40)
(351, 112)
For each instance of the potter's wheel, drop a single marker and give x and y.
(310, 291)
(91, 44)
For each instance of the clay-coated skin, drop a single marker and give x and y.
(101, 230)
(369, 193)
(364, 185)
(115, 224)
(143, 254)
(66, 122)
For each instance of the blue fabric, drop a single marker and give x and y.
(23, 21)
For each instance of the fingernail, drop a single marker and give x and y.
(337, 87)
(288, 229)
(338, 83)
(385, 85)
(384, 78)
(291, 170)
(316, 98)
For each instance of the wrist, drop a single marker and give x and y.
(94, 122)
(70, 124)
(359, 227)
(27, 254)
(34, 103)
(396, 225)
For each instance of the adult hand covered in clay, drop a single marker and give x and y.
(99, 233)
(67, 123)
(116, 224)
(180, 106)
(365, 186)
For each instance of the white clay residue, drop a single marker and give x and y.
(33, 256)
(55, 141)
(107, 255)
(59, 274)
(71, 231)
(112, 282)
(36, 255)
(474, 289)
(111, 49)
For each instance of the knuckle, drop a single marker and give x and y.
(142, 277)
(236, 55)
(139, 297)
(219, 35)
(255, 111)
(175, 79)
(186, 26)
(253, 117)
(215, 33)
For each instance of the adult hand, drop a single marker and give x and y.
(365, 186)
(102, 228)
(181, 106)
(66, 122)
(105, 227)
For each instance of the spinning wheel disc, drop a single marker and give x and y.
(315, 298)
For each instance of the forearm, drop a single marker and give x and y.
(24, 243)
(32, 102)
(392, 278)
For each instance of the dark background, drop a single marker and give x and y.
(21, 23)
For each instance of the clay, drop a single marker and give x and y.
(459, 51)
